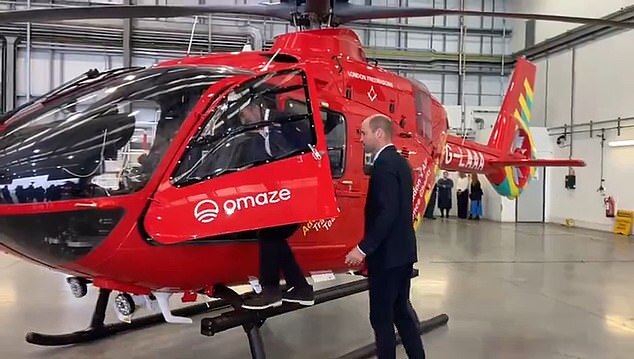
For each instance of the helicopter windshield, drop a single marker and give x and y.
(100, 137)
(250, 127)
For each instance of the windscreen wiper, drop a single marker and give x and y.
(93, 74)
(90, 74)
(5, 116)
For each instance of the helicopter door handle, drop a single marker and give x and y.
(89, 204)
(346, 193)
(157, 202)
(347, 184)
(317, 155)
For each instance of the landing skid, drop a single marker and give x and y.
(99, 330)
(251, 321)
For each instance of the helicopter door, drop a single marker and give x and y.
(251, 164)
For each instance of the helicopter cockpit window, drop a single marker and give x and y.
(250, 127)
(102, 138)
(423, 107)
(335, 131)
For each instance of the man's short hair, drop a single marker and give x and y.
(381, 121)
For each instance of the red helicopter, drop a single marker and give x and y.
(145, 181)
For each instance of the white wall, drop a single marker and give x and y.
(559, 89)
(585, 204)
(602, 91)
(548, 29)
(487, 113)
(479, 90)
(538, 117)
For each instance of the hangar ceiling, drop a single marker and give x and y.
(427, 50)
(230, 33)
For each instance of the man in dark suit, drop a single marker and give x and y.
(275, 253)
(389, 242)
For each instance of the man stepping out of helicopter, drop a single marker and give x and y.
(275, 253)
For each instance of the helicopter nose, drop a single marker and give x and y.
(58, 237)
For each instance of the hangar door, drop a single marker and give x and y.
(529, 206)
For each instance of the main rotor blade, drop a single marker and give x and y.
(282, 11)
(343, 11)
(347, 13)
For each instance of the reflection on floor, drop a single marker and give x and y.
(511, 291)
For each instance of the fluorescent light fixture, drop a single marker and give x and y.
(622, 143)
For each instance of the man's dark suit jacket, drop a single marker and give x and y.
(389, 239)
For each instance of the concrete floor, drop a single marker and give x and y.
(511, 291)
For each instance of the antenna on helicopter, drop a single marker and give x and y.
(191, 36)
(266, 67)
(331, 13)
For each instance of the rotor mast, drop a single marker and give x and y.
(315, 13)
(318, 7)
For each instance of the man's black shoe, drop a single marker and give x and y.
(303, 295)
(264, 300)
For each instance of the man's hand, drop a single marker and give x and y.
(354, 257)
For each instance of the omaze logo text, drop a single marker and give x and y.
(207, 210)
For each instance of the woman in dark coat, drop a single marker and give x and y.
(445, 184)
(431, 205)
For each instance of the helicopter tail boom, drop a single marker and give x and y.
(509, 159)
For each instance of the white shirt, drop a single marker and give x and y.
(381, 150)
(462, 184)
(264, 132)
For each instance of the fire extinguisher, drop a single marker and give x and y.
(609, 206)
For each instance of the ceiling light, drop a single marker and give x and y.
(621, 143)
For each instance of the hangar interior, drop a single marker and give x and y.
(542, 276)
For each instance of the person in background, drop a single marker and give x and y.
(475, 195)
(445, 184)
(6, 195)
(429, 211)
(462, 194)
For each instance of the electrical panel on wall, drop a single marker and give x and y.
(571, 181)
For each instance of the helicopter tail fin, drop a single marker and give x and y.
(515, 112)
(512, 137)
